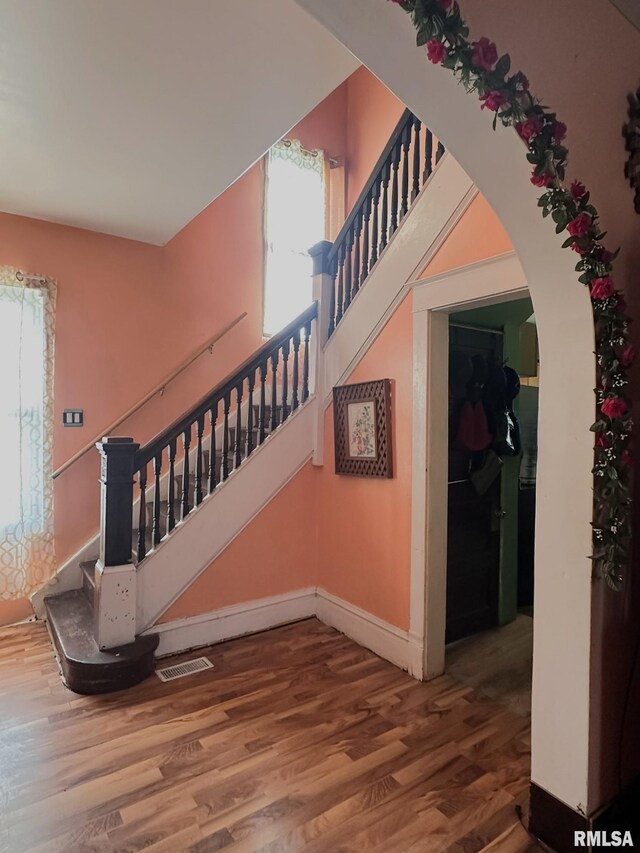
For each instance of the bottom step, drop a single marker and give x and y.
(85, 668)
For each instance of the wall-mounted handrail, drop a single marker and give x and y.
(208, 345)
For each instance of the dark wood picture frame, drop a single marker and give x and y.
(354, 407)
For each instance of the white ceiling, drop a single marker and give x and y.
(130, 117)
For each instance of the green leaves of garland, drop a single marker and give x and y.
(441, 28)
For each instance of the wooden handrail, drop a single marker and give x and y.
(375, 175)
(146, 453)
(159, 387)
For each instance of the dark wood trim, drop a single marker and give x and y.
(554, 823)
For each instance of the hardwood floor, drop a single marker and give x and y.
(497, 663)
(298, 740)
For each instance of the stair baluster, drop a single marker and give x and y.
(262, 412)
(156, 534)
(186, 444)
(142, 514)
(295, 377)
(225, 437)
(198, 494)
(348, 281)
(395, 165)
(339, 311)
(274, 391)
(406, 141)
(439, 152)
(384, 214)
(356, 254)
(213, 419)
(285, 381)
(417, 124)
(305, 364)
(428, 157)
(366, 215)
(251, 380)
(238, 448)
(171, 516)
(374, 224)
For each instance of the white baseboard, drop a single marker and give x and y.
(391, 643)
(228, 622)
(387, 641)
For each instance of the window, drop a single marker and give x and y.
(295, 211)
(26, 355)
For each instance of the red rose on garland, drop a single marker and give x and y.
(579, 226)
(485, 54)
(602, 288)
(559, 131)
(578, 190)
(493, 100)
(436, 51)
(614, 407)
(529, 128)
(628, 355)
(542, 180)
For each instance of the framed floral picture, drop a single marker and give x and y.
(362, 429)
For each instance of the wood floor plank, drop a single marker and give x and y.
(297, 740)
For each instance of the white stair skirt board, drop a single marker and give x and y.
(441, 203)
(382, 638)
(247, 618)
(195, 543)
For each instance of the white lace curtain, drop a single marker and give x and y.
(295, 215)
(27, 309)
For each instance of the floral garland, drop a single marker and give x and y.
(444, 34)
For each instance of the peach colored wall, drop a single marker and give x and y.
(372, 113)
(478, 235)
(365, 524)
(275, 553)
(128, 313)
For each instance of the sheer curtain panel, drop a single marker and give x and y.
(27, 309)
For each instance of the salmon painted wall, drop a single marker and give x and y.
(274, 554)
(478, 235)
(372, 113)
(128, 313)
(365, 524)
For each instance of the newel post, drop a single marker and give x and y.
(115, 595)
(323, 294)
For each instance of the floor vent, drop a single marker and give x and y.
(187, 667)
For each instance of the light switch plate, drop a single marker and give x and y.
(73, 417)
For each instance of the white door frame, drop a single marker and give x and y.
(499, 279)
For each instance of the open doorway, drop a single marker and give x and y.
(494, 378)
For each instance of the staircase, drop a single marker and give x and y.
(157, 495)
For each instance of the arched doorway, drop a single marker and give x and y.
(383, 40)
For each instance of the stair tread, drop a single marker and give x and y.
(86, 668)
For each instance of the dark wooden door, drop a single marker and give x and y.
(474, 521)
